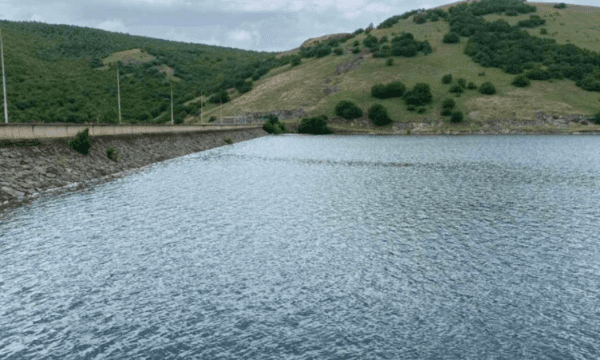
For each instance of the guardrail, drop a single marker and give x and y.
(51, 131)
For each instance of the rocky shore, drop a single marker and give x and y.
(32, 167)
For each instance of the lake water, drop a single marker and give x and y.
(296, 247)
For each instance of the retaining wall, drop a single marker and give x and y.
(53, 131)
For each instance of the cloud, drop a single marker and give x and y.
(274, 25)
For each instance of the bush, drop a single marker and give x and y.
(420, 95)
(447, 79)
(338, 51)
(348, 110)
(471, 86)
(421, 110)
(389, 62)
(448, 104)
(456, 117)
(391, 90)
(543, 31)
(355, 50)
(446, 112)
(411, 108)
(220, 97)
(481, 74)
(560, 6)
(272, 125)
(379, 115)
(228, 140)
(112, 154)
(462, 83)
(296, 60)
(596, 119)
(456, 89)
(451, 38)
(521, 81)
(82, 142)
(487, 88)
(315, 125)
(212, 118)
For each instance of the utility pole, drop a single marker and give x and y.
(200, 106)
(3, 81)
(119, 93)
(172, 104)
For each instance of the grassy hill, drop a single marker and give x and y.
(61, 73)
(316, 86)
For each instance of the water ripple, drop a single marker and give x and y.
(316, 248)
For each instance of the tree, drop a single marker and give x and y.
(379, 115)
(448, 104)
(315, 125)
(456, 117)
(348, 110)
(447, 79)
(521, 81)
(419, 95)
(487, 88)
(296, 60)
(451, 38)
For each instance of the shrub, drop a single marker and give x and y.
(421, 110)
(521, 81)
(212, 118)
(323, 51)
(419, 95)
(228, 140)
(112, 154)
(456, 89)
(447, 79)
(560, 6)
(456, 117)
(272, 125)
(220, 97)
(355, 50)
(471, 86)
(391, 90)
(487, 88)
(446, 112)
(462, 83)
(451, 38)
(448, 104)
(411, 108)
(82, 142)
(389, 62)
(481, 74)
(348, 110)
(296, 60)
(543, 31)
(338, 51)
(379, 115)
(596, 119)
(315, 125)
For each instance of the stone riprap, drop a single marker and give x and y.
(31, 167)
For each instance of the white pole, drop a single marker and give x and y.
(119, 93)
(172, 104)
(200, 106)
(3, 81)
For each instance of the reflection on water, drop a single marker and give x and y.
(317, 248)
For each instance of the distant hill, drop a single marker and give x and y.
(62, 73)
(553, 49)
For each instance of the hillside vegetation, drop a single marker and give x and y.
(61, 73)
(485, 46)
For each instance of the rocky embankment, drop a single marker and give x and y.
(33, 167)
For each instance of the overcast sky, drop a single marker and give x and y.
(268, 25)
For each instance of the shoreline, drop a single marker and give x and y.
(35, 168)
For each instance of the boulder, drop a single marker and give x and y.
(11, 192)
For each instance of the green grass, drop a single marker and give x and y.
(290, 88)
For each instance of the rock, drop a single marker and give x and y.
(11, 192)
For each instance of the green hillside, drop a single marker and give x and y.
(555, 50)
(61, 73)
